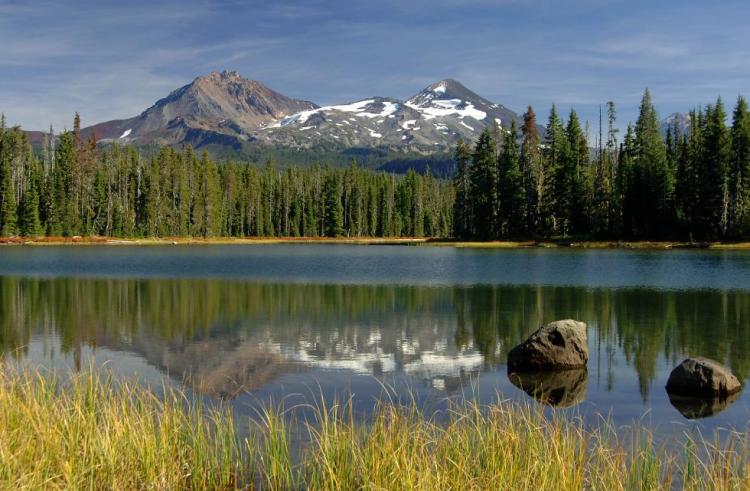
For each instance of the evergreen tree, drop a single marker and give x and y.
(462, 212)
(739, 185)
(512, 193)
(30, 224)
(333, 210)
(555, 155)
(571, 181)
(8, 208)
(652, 181)
(712, 172)
(484, 186)
(535, 175)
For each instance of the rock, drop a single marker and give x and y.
(702, 377)
(701, 407)
(559, 345)
(561, 388)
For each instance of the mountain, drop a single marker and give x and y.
(228, 114)
(682, 120)
(432, 120)
(219, 108)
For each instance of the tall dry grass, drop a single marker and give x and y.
(91, 431)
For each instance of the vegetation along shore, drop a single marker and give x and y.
(90, 430)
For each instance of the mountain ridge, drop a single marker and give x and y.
(223, 110)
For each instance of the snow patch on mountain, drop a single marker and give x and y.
(359, 108)
(126, 133)
(448, 107)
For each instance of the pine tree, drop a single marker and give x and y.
(512, 193)
(572, 200)
(535, 174)
(30, 224)
(625, 189)
(652, 182)
(333, 208)
(8, 208)
(712, 172)
(739, 184)
(555, 155)
(484, 186)
(462, 213)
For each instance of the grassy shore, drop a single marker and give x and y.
(421, 241)
(91, 432)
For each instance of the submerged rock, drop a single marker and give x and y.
(559, 345)
(702, 377)
(561, 388)
(701, 407)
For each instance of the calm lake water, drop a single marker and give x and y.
(245, 324)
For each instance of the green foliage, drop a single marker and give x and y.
(77, 189)
(512, 199)
(693, 186)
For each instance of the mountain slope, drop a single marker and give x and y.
(432, 120)
(219, 107)
(225, 112)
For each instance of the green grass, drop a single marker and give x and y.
(92, 431)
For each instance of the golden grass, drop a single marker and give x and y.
(92, 432)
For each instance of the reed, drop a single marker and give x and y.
(94, 431)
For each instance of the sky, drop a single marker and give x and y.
(110, 60)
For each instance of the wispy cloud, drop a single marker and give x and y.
(113, 59)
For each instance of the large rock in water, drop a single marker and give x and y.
(559, 345)
(702, 377)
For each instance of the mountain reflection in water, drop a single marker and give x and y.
(227, 338)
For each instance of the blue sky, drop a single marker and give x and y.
(112, 60)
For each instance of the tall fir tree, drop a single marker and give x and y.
(712, 173)
(462, 209)
(739, 181)
(512, 192)
(484, 186)
(652, 182)
(534, 172)
(555, 155)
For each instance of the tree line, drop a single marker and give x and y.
(688, 185)
(511, 183)
(74, 187)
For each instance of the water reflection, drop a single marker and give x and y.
(227, 337)
(563, 388)
(697, 407)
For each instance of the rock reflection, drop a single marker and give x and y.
(563, 388)
(701, 407)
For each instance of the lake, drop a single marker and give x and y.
(245, 324)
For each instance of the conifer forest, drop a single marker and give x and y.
(511, 183)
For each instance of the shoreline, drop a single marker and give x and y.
(403, 241)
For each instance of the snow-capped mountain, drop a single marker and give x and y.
(226, 110)
(433, 119)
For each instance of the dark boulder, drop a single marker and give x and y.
(701, 377)
(559, 345)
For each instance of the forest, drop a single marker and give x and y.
(512, 183)
(76, 187)
(689, 185)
